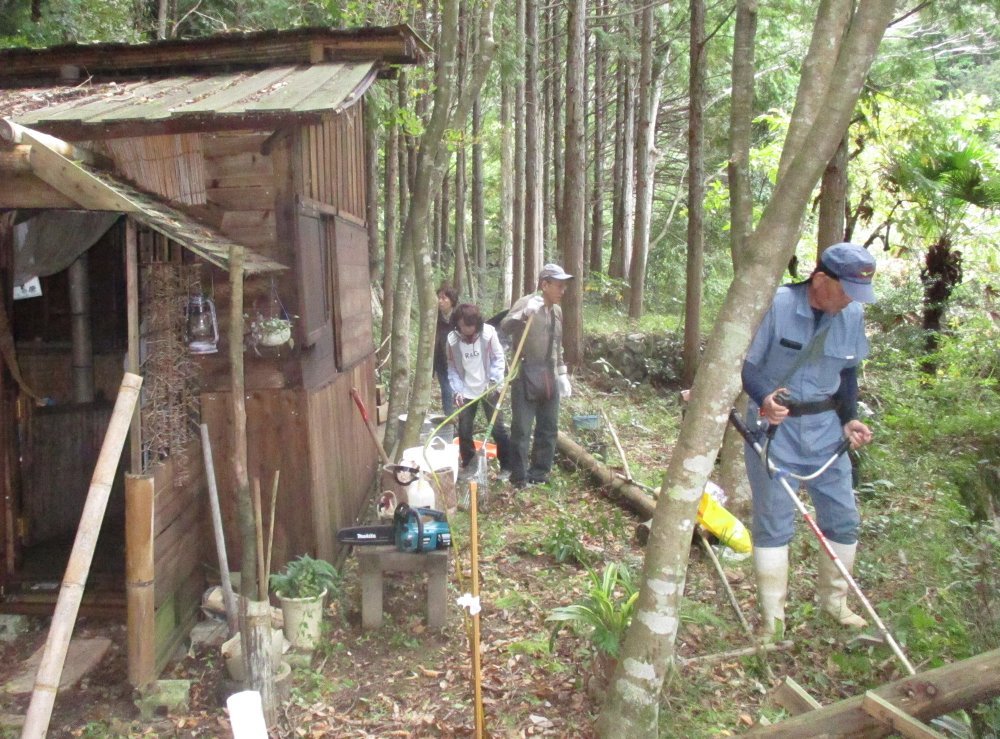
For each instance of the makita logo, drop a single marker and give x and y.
(367, 536)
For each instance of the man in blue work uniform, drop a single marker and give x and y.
(801, 374)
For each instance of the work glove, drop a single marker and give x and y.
(534, 304)
(459, 400)
(565, 389)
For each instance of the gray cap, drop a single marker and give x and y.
(553, 272)
(854, 266)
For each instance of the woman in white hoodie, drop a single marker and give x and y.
(476, 362)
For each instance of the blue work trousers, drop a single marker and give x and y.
(774, 511)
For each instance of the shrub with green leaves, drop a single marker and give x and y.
(305, 577)
(604, 613)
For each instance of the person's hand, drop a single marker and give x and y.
(565, 389)
(459, 400)
(857, 433)
(771, 410)
(534, 304)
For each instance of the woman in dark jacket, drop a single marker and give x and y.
(447, 300)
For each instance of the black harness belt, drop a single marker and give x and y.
(811, 408)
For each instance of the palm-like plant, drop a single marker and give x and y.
(606, 610)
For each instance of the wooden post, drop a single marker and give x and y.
(43, 697)
(255, 638)
(139, 579)
(248, 565)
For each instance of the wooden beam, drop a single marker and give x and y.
(793, 698)
(15, 160)
(924, 696)
(902, 722)
(27, 191)
(17, 134)
(76, 183)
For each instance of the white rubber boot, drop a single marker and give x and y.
(770, 567)
(832, 588)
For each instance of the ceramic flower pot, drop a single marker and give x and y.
(303, 619)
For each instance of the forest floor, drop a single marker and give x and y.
(406, 681)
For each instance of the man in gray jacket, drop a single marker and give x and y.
(541, 379)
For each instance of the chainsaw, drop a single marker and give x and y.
(412, 530)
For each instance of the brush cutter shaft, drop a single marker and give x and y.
(748, 436)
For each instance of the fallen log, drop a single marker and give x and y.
(612, 487)
(924, 696)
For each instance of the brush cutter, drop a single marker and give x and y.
(782, 476)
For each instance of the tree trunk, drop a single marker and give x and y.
(447, 114)
(573, 210)
(833, 201)
(507, 199)
(631, 707)
(518, 240)
(533, 196)
(389, 226)
(645, 155)
(696, 195)
(554, 193)
(600, 107)
(462, 270)
(478, 204)
(732, 473)
(621, 233)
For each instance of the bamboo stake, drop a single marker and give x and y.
(259, 528)
(618, 446)
(232, 614)
(270, 525)
(762, 653)
(477, 675)
(43, 697)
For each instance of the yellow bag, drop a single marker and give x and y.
(723, 524)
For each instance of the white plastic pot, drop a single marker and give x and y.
(303, 619)
(232, 653)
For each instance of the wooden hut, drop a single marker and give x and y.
(129, 175)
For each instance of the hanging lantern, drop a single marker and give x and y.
(202, 325)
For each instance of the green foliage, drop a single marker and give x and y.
(605, 612)
(564, 542)
(305, 577)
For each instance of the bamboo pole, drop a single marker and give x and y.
(477, 674)
(618, 446)
(68, 604)
(134, 337)
(139, 579)
(232, 614)
(270, 524)
(259, 529)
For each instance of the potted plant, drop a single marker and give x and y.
(301, 588)
(604, 614)
(272, 331)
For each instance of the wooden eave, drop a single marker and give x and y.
(81, 186)
(225, 52)
(262, 100)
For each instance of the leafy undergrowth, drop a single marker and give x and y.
(534, 547)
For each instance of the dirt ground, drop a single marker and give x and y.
(406, 681)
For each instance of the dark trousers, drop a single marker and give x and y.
(466, 429)
(544, 416)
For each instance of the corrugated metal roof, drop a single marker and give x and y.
(227, 99)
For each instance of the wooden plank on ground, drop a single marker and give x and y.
(925, 696)
(897, 718)
(794, 698)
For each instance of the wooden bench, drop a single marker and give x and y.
(373, 561)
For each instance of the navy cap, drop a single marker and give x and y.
(553, 272)
(854, 266)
